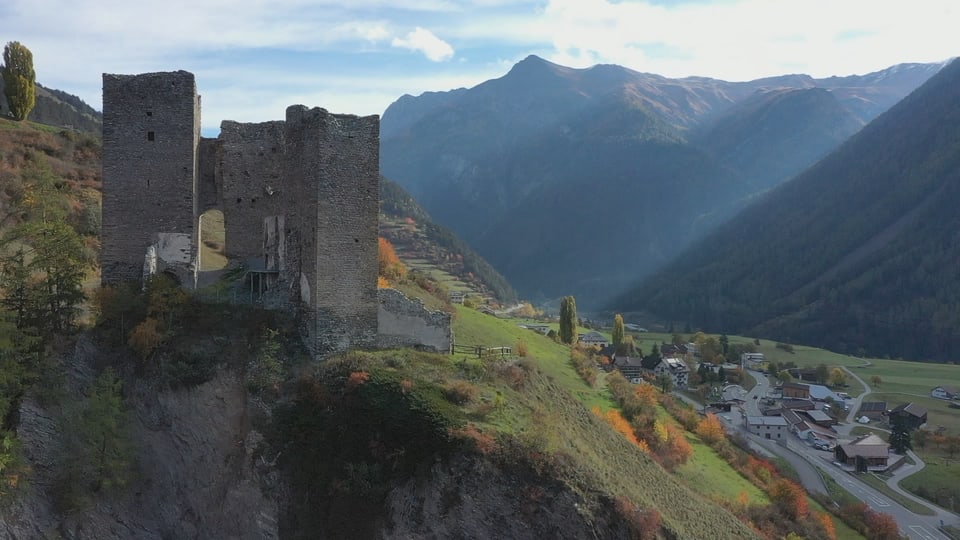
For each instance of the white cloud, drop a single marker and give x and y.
(423, 40)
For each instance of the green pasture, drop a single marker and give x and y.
(938, 411)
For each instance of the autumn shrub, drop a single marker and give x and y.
(356, 379)
(146, 337)
(642, 524)
(709, 430)
(514, 375)
(521, 349)
(583, 366)
(475, 439)
(460, 392)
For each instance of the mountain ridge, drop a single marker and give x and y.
(485, 159)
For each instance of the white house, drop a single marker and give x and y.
(945, 392)
(768, 427)
(674, 367)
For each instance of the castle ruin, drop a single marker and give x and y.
(300, 201)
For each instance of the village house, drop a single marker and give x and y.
(869, 453)
(796, 390)
(593, 338)
(630, 367)
(874, 410)
(768, 427)
(674, 367)
(945, 392)
(912, 415)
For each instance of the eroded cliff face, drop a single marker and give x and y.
(197, 473)
(471, 497)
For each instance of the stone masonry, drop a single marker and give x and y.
(299, 199)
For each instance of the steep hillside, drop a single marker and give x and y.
(503, 162)
(857, 253)
(60, 109)
(418, 239)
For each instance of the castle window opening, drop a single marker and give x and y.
(149, 113)
(150, 136)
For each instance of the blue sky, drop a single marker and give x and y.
(253, 58)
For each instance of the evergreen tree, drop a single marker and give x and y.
(19, 79)
(900, 437)
(99, 452)
(617, 333)
(721, 374)
(568, 320)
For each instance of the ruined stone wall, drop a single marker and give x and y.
(250, 175)
(151, 128)
(403, 322)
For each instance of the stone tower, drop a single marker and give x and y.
(300, 202)
(151, 129)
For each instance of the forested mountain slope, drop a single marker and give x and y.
(583, 180)
(856, 254)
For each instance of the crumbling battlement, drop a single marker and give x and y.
(408, 323)
(299, 199)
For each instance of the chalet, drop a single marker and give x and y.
(796, 390)
(869, 453)
(912, 415)
(768, 427)
(874, 410)
(457, 297)
(593, 338)
(630, 367)
(675, 367)
(945, 392)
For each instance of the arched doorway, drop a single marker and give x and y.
(211, 251)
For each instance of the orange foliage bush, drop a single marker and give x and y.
(881, 526)
(146, 337)
(791, 498)
(356, 379)
(646, 395)
(621, 426)
(710, 430)
(483, 443)
(388, 264)
(643, 524)
(828, 526)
